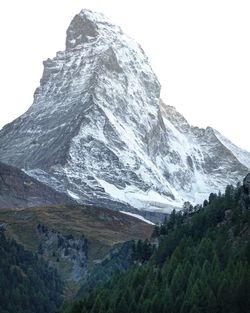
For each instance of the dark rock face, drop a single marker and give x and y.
(18, 190)
(81, 30)
(98, 130)
(65, 251)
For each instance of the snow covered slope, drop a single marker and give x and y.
(98, 130)
(241, 154)
(203, 163)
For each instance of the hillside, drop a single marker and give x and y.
(27, 284)
(197, 261)
(72, 238)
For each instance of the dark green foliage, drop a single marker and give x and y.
(27, 284)
(119, 260)
(201, 265)
(142, 251)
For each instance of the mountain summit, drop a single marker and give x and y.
(98, 130)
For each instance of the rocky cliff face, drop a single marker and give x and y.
(64, 251)
(98, 130)
(18, 190)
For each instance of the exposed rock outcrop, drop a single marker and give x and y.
(64, 251)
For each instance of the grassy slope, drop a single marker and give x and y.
(102, 227)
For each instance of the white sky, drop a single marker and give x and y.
(200, 51)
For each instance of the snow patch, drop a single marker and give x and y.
(73, 195)
(138, 216)
(149, 201)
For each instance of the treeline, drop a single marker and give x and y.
(198, 261)
(27, 284)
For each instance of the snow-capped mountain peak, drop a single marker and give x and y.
(98, 130)
(88, 26)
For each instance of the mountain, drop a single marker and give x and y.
(98, 130)
(18, 190)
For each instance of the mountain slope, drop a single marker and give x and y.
(98, 131)
(73, 239)
(199, 160)
(27, 284)
(18, 190)
(240, 154)
(199, 262)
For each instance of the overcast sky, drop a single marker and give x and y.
(200, 51)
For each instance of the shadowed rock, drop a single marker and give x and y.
(18, 190)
